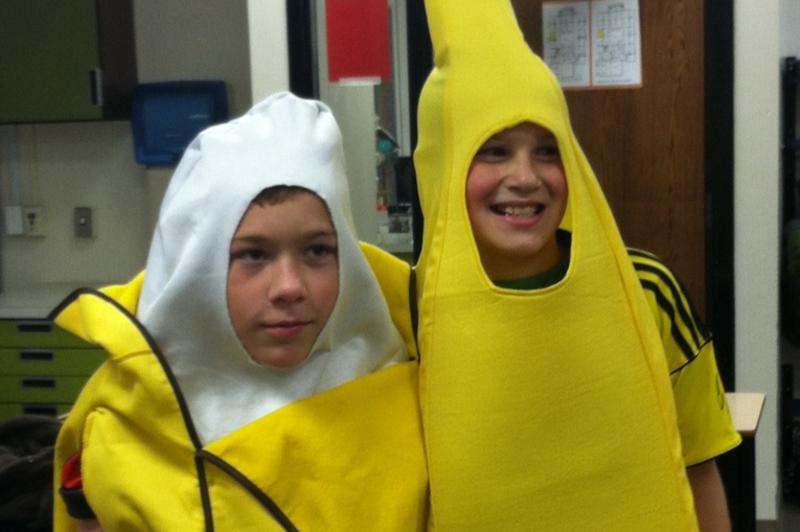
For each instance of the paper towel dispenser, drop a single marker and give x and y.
(166, 116)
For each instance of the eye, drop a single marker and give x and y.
(249, 255)
(320, 252)
(492, 152)
(548, 152)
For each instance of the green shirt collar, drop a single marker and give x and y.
(546, 278)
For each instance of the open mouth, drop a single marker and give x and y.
(518, 211)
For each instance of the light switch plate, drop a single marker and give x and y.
(13, 220)
(83, 222)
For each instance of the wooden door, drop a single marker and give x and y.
(646, 145)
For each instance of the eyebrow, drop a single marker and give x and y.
(501, 136)
(311, 235)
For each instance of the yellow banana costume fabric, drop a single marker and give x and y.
(180, 429)
(308, 466)
(548, 409)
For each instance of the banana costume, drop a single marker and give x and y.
(548, 409)
(180, 430)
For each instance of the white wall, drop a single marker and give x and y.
(91, 164)
(269, 50)
(64, 166)
(208, 39)
(756, 227)
(790, 22)
(243, 42)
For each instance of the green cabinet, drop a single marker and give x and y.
(66, 60)
(42, 368)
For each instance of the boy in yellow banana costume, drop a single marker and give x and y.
(255, 380)
(545, 394)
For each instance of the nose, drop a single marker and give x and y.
(287, 284)
(523, 173)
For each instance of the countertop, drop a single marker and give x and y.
(36, 301)
(746, 411)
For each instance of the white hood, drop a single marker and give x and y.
(283, 140)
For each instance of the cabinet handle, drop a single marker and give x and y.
(38, 382)
(40, 410)
(96, 86)
(35, 327)
(36, 355)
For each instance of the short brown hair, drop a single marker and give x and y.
(278, 194)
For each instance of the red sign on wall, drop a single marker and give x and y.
(358, 40)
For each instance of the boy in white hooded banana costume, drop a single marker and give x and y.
(255, 380)
(545, 394)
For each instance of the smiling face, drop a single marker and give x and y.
(283, 278)
(516, 197)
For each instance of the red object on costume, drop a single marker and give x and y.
(71, 473)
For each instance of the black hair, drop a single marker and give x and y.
(278, 194)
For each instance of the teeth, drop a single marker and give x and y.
(521, 211)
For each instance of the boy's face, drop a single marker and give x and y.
(516, 197)
(283, 278)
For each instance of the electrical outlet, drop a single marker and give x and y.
(33, 221)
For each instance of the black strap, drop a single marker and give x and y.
(412, 307)
(76, 503)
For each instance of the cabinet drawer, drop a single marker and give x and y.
(8, 410)
(40, 389)
(50, 361)
(46, 44)
(37, 333)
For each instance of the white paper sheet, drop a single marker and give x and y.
(616, 43)
(593, 43)
(565, 27)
